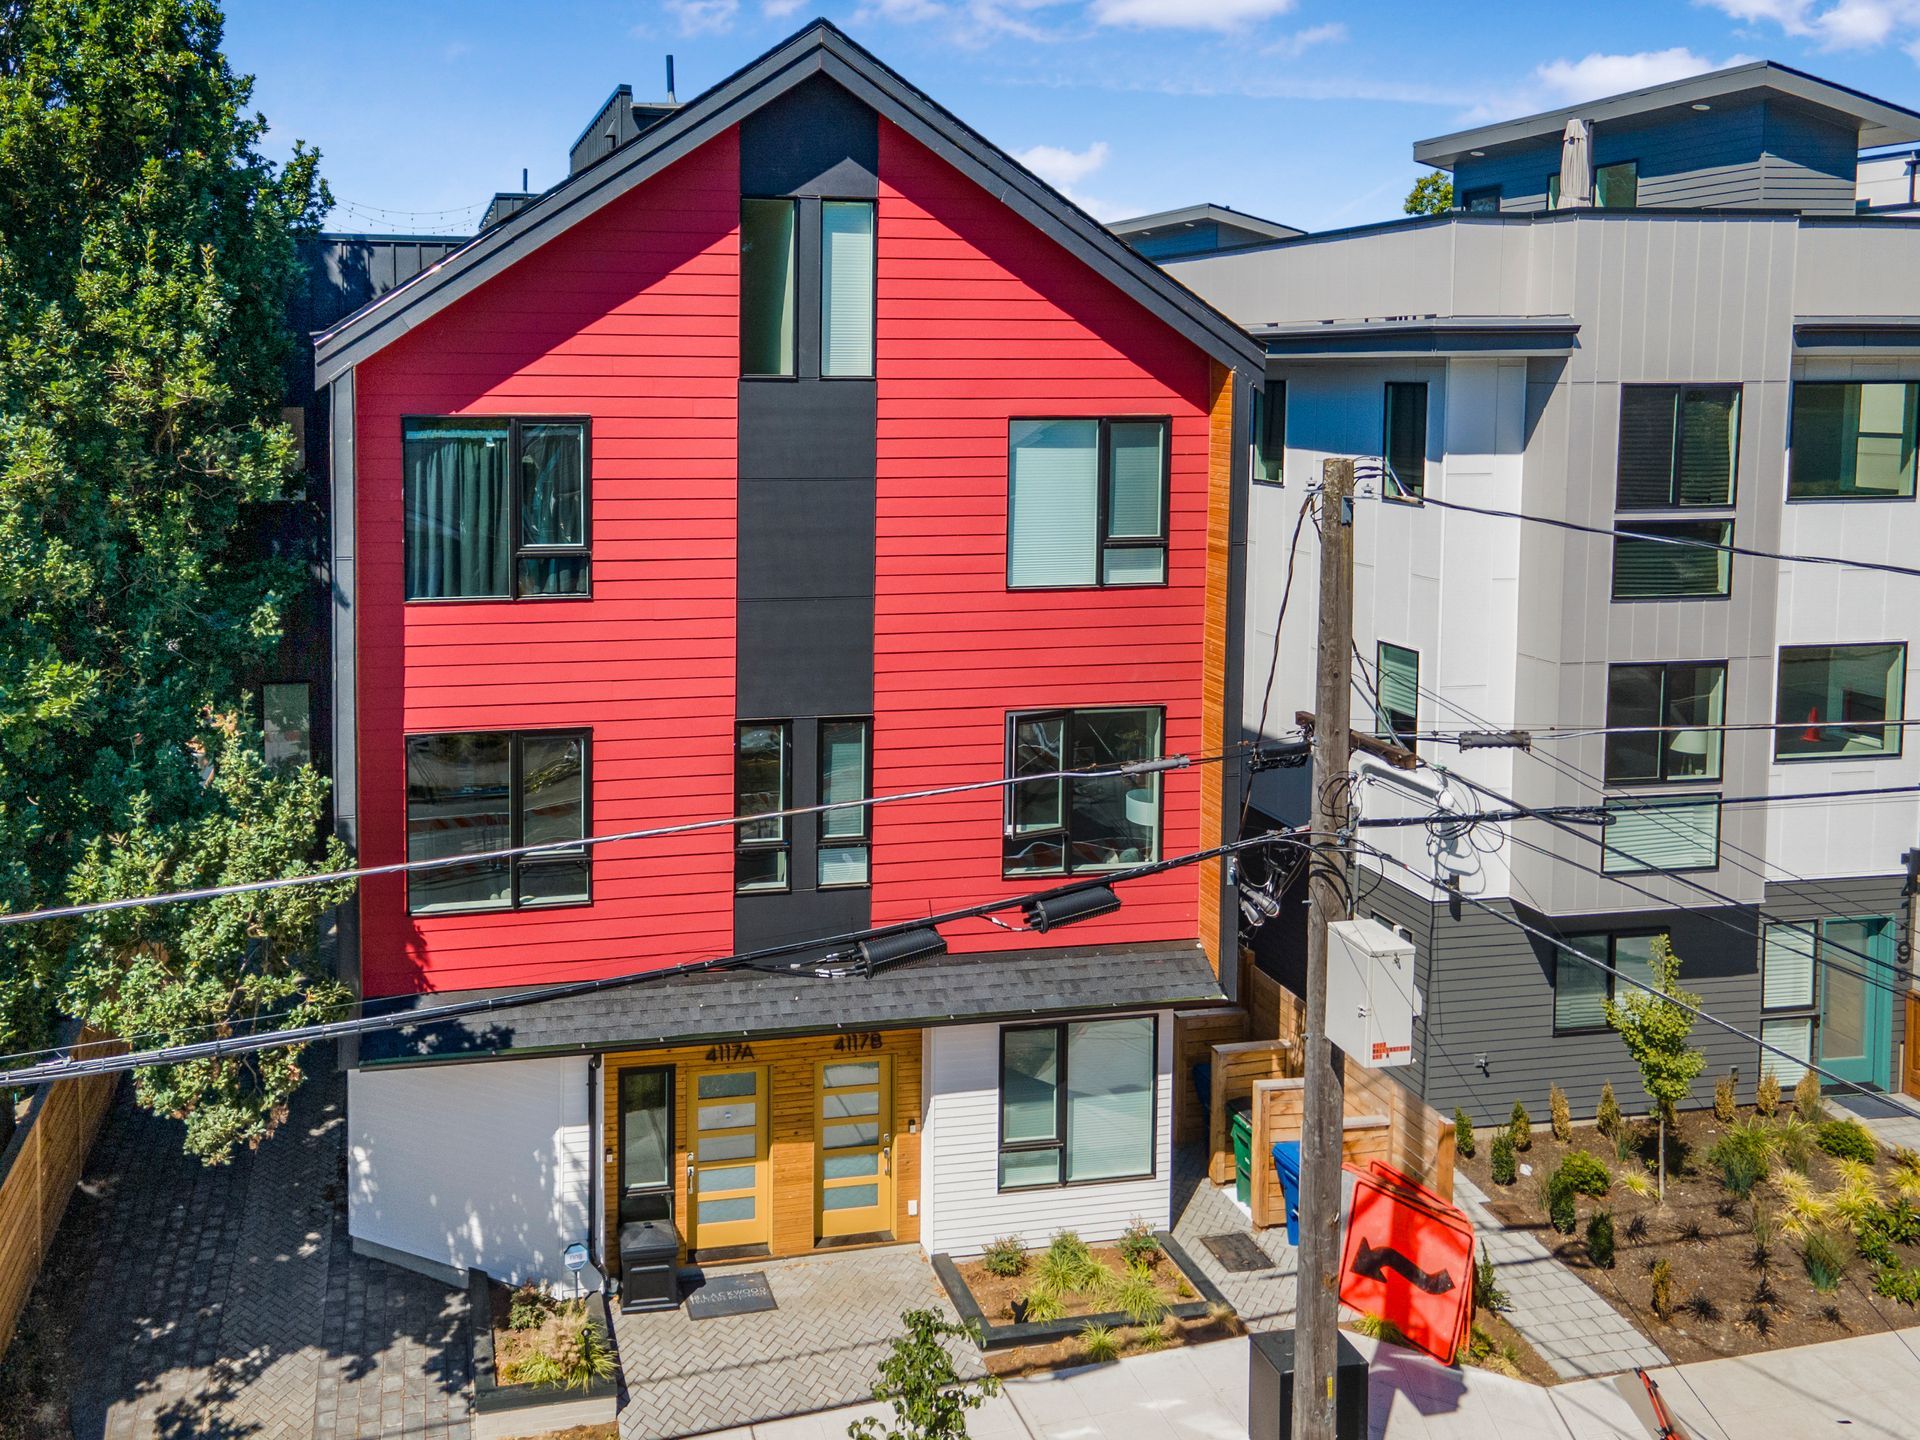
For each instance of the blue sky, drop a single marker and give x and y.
(1299, 110)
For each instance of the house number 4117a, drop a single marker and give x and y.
(729, 1050)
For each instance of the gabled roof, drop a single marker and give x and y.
(819, 49)
(1876, 121)
(1224, 216)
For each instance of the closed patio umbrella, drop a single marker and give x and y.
(1576, 166)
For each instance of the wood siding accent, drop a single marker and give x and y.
(1195, 1033)
(1910, 1053)
(981, 320)
(1213, 669)
(792, 1067)
(38, 1171)
(631, 318)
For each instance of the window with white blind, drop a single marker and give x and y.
(1396, 693)
(1086, 503)
(1673, 560)
(1665, 833)
(1786, 968)
(1581, 990)
(1077, 1102)
(1795, 1036)
(1679, 445)
(845, 771)
(846, 288)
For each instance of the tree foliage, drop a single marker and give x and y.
(147, 254)
(1432, 194)
(920, 1380)
(1655, 1026)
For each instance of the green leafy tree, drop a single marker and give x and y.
(1432, 194)
(147, 254)
(1655, 1026)
(919, 1380)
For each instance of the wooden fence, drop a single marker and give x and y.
(38, 1170)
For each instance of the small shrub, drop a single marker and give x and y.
(1701, 1307)
(1806, 1098)
(1626, 1144)
(1760, 1320)
(530, 1307)
(1636, 1230)
(1500, 1159)
(1660, 1296)
(1462, 1134)
(1826, 1254)
(1724, 1100)
(1183, 1289)
(1560, 1203)
(1586, 1174)
(1804, 1211)
(1376, 1328)
(1600, 1240)
(1831, 1314)
(1559, 1114)
(1487, 1294)
(1856, 1199)
(1005, 1257)
(1068, 1265)
(1898, 1282)
(1904, 1174)
(1607, 1118)
(578, 1357)
(1766, 1094)
(919, 1380)
(1691, 1234)
(1137, 1296)
(1764, 1228)
(1637, 1183)
(1742, 1156)
(1520, 1128)
(1097, 1343)
(1137, 1246)
(1793, 1143)
(1764, 1293)
(1044, 1305)
(1847, 1140)
(1154, 1339)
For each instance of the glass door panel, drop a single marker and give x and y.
(854, 1117)
(1856, 1001)
(727, 1201)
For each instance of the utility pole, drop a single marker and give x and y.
(1317, 1300)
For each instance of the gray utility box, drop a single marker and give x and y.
(1370, 993)
(1270, 1388)
(649, 1266)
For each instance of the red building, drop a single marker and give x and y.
(800, 448)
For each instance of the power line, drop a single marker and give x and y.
(1580, 732)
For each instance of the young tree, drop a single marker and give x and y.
(1655, 1026)
(921, 1382)
(1432, 194)
(147, 255)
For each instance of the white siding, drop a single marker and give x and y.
(963, 1208)
(486, 1165)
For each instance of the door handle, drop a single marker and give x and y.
(886, 1154)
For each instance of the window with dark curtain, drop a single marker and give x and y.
(553, 509)
(495, 508)
(1679, 446)
(1405, 441)
(470, 794)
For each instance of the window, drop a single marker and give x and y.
(1404, 440)
(1482, 201)
(1853, 440)
(472, 793)
(1065, 826)
(846, 288)
(1786, 968)
(1077, 1102)
(1673, 560)
(294, 417)
(1396, 693)
(646, 1144)
(1269, 430)
(1615, 187)
(1793, 962)
(767, 287)
(1668, 833)
(495, 508)
(286, 723)
(1580, 990)
(1087, 503)
(1835, 701)
(1664, 695)
(1679, 445)
(763, 785)
(845, 774)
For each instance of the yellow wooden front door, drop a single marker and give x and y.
(727, 1160)
(853, 1193)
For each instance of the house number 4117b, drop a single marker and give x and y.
(857, 1042)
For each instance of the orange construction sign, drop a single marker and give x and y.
(1408, 1259)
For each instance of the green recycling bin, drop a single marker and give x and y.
(1242, 1130)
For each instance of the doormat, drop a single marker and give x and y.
(1237, 1253)
(731, 1295)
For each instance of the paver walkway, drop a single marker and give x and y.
(1893, 1119)
(837, 1317)
(226, 1302)
(1263, 1298)
(1565, 1319)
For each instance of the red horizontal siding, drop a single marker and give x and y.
(981, 319)
(628, 317)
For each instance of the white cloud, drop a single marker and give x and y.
(779, 9)
(697, 16)
(1840, 25)
(1568, 82)
(1064, 170)
(968, 22)
(1292, 47)
(1188, 14)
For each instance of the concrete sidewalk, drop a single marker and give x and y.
(1866, 1388)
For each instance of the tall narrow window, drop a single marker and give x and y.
(286, 723)
(846, 287)
(1644, 705)
(762, 784)
(495, 508)
(845, 837)
(1673, 560)
(469, 794)
(1679, 445)
(1854, 440)
(1838, 700)
(1086, 503)
(1269, 432)
(1397, 694)
(1404, 438)
(1058, 826)
(767, 287)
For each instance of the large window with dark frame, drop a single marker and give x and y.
(1679, 446)
(1581, 991)
(1077, 1102)
(1664, 722)
(763, 786)
(1853, 440)
(1269, 432)
(496, 508)
(846, 773)
(1615, 186)
(1068, 825)
(1673, 560)
(1840, 701)
(1403, 441)
(1087, 502)
(473, 793)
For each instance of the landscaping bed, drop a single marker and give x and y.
(1766, 1238)
(542, 1364)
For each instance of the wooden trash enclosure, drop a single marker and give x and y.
(1235, 1070)
(1195, 1033)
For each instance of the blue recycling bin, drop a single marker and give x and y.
(1286, 1161)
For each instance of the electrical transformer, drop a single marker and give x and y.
(1370, 995)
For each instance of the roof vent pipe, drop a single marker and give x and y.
(670, 97)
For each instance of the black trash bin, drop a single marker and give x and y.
(1270, 1389)
(649, 1266)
